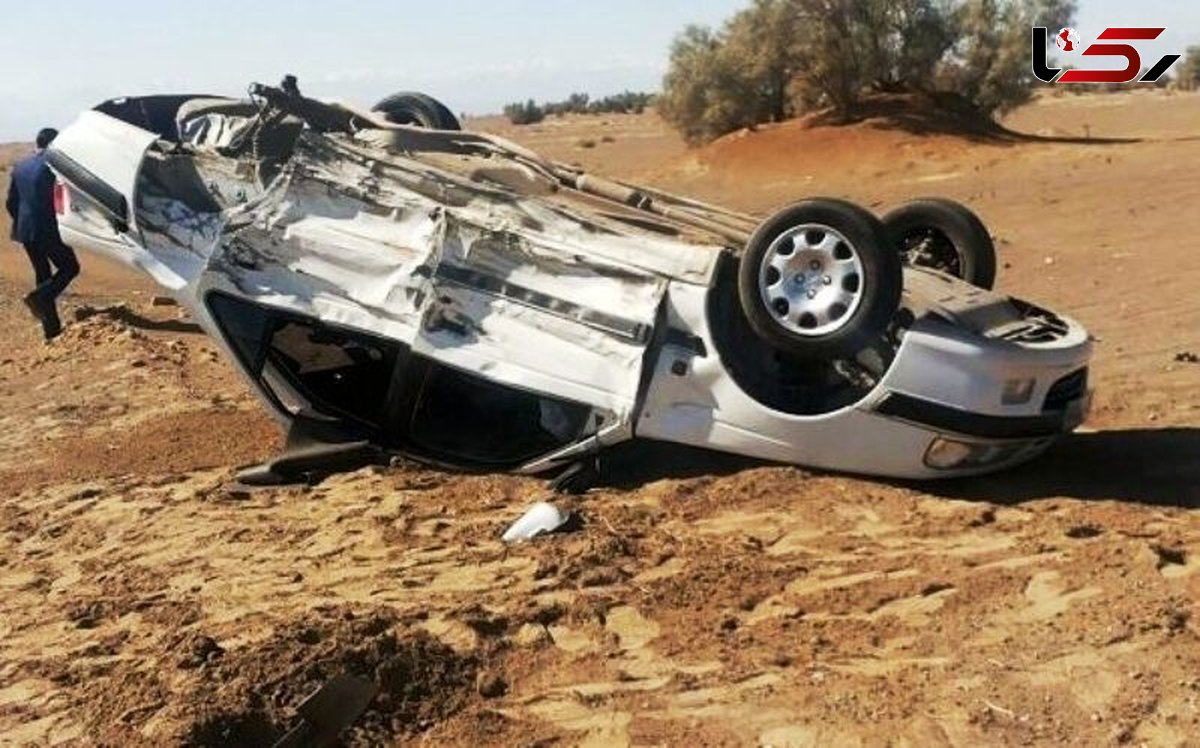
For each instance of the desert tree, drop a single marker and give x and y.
(759, 46)
(704, 92)
(989, 63)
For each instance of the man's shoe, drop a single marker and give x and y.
(33, 303)
(53, 331)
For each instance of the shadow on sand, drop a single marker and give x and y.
(125, 315)
(1159, 467)
(632, 465)
(943, 114)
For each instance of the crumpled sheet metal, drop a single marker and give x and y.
(475, 275)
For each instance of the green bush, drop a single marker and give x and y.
(529, 112)
(526, 113)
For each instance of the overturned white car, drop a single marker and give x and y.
(386, 280)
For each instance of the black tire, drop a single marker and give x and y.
(877, 288)
(411, 108)
(946, 236)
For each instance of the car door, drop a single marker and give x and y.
(97, 160)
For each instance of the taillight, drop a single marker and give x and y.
(61, 201)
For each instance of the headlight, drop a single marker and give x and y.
(1017, 391)
(945, 454)
(949, 454)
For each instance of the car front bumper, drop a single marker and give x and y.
(987, 403)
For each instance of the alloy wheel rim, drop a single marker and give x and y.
(811, 280)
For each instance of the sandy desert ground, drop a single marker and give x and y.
(145, 601)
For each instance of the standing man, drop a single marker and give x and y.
(31, 205)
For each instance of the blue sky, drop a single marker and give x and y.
(476, 55)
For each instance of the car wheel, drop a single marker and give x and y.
(819, 280)
(943, 235)
(411, 108)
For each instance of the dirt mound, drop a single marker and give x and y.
(886, 127)
(817, 155)
(919, 114)
(248, 695)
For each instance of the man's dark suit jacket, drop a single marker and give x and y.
(31, 202)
